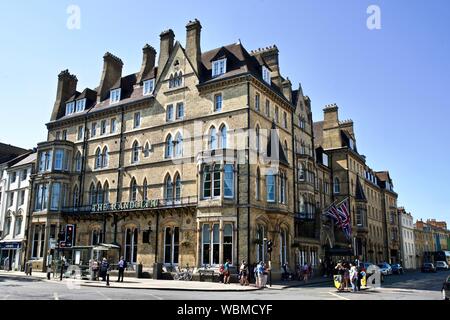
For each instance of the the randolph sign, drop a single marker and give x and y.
(122, 206)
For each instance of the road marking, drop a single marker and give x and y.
(55, 295)
(336, 295)
(152, 295)
(102, 294)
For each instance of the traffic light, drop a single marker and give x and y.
(269, 246)
(69, 235)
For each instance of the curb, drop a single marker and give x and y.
(170, 289)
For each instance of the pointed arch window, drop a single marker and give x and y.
(178, 145)
(76, 197)
(169, 147)
(168, 189)
(135, 152)
(337, 186)
(92, 195)
(99, 193)
(223, 137)
(106, 192)
(178, 188)
(98, 158)
(258, 139)
(78, 162)
(133, 190)
(212, 138)
(145, 190)
(147, 150)
(105, 156)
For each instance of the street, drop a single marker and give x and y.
(411, 286)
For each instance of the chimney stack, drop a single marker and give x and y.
(287, 89)
(166, 47)
(331, 119)
(67, 87)
(112, 72)
(193, 48)
(270, 56)
(148, 62)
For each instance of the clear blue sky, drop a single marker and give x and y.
(393, 82)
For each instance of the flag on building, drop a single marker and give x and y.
(341, 216)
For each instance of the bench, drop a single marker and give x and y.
(206, 273)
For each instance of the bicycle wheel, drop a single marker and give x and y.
(176, 276)
(189, 277)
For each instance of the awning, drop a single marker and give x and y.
(105, 247)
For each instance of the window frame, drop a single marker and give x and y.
(148, 87)
(219, 67)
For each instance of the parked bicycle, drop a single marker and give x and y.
(184, 275)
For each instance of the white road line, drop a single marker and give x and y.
(104, 295)
(55, 295)
(152, 295)
(336, 295)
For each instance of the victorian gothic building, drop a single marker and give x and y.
(199, 159)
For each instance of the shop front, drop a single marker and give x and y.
(10, 257)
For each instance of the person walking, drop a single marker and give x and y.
(305, 273)
(221, 273)
(104, 266)
(259, 270)
(226, 272)
(243, 272)
(265, 275)
(95, 268)
(122, 265)
(353, 278)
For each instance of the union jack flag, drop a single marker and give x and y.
(341, 215)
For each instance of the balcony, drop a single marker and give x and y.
(131, 206)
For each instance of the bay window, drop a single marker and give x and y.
(228, 181)
(56, 195)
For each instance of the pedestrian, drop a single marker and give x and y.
(353, 277)
(122, 265)
(305, 272)
(221, 273)
(226, 272)
(259, 274)
(95, 268)
(265, 275)
(243, 272)
(346, 276)
(104, 269)
(360, 277)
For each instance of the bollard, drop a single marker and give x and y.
(107, 279)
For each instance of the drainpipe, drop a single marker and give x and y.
(119, 172)
(248, 183)
(28, 222)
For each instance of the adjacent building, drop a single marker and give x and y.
(408, 243)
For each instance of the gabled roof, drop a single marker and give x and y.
(31, 158)
(318, 133)
(9, 152)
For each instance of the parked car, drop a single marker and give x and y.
(446, 289)
(385, 268)
(428, 267)
(397, 268)
(441, 265)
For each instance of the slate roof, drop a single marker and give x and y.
(9, 152)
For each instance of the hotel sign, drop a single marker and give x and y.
(125, 206)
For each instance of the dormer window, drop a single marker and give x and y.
(81, 104)
(219, 67)
(149, 87)
(266, 75)
(351, 144)
(70, 108)
(115, 96)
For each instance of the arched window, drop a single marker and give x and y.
(302, 205)
(78, 162)
(92, 195)
(171, 245)
(261, 234)
(258, 184)
(99, 193)
(337, 186)
(270, 187)
(145, 190)
(212, 138)
(147, 150)
(98, 158)
(169, 146)
(223, 137)
(75, 197)
(179, 79)
(105, 160)
(135, 153)
(106, 192)
(18, 226)
(258, 139)
(178, 145)
(133, 190)
(131, 243)
(178, 188)
(168, 189)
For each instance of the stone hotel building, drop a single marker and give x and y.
(198, 158)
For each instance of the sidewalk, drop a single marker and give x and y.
(134, 283)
